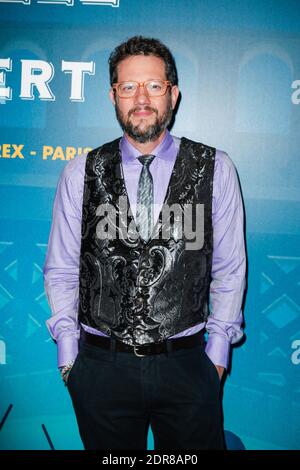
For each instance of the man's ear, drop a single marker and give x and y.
(174, 95)
(112, 96)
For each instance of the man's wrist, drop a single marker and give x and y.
(67, 348)
(65, 370)
(220, 370)
(217, 348)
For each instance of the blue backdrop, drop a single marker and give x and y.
(239, 74)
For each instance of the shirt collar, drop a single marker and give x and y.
(164, 150)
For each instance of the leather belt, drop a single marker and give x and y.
(141, 350)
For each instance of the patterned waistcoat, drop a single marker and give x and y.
(143, 292)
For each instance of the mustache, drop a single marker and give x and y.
(142, 108)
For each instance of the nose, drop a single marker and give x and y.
(141, 95)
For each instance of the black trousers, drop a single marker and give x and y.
(116, 395)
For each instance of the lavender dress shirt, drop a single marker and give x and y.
(61, 269)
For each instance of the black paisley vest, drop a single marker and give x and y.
(143, 292)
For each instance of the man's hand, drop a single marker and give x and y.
(65, 371)
(220, 370)
(65, 376)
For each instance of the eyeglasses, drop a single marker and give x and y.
(153, 88)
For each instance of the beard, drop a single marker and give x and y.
(153, 131)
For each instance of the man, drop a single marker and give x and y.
(138, 298)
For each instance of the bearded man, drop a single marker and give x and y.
(130, 307)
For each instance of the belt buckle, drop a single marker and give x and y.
(138, 355)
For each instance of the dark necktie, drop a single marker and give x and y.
(144, 214)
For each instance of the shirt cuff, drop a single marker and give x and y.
(217, 348)
(67, 350)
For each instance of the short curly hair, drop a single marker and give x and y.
(139, 45)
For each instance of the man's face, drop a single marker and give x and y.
(142, 117)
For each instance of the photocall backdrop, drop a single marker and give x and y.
(239, 75)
